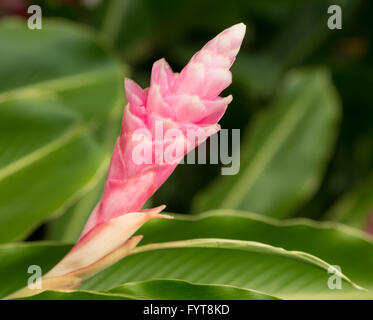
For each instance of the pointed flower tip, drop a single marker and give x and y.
(240, 27)
(167, 216)
(227, 44)
(131, 85)
(155, 210)
(162, 207)
(134, 241)
(155, 213)
(236, 33)
(127, 81)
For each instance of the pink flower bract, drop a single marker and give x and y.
(184, 101)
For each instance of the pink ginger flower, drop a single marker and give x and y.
(181, 102)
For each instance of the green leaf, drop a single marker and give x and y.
(335, 243)
(16, 258)
(77, 295)
(252, 265)
(356, 207)
(58, 86)
(285, 153)
(68, 227)
(159, 290)
(183, 290)
(247, 264)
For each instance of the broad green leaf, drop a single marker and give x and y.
(77, 295)
(247, 264)
(252, 265)
(356, 207)
(159, 290)
(183, 290)
(337, 244)
(68, 227)
(58, 86)
(16, 258)
(284, 155)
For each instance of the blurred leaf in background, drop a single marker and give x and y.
(58, 87)
(356, 207)
(285, 153)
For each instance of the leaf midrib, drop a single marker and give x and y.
(57, 84)
(44, 151)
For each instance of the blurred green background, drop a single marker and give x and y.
(302, 99)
